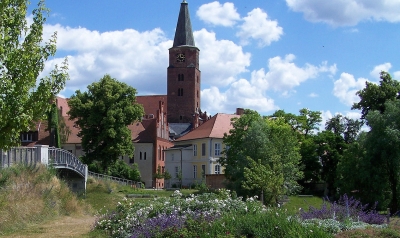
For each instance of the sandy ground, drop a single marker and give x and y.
(77, 226)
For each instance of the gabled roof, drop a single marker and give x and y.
(183, 32)
(150, 103)
(215, 127)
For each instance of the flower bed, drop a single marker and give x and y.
(211, 215)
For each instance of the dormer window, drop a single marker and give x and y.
(26, 137)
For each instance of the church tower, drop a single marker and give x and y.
(183, 73)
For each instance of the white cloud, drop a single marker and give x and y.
(218, 14)
(346, 86)
(284, 75)
(140, 58)
(240, 94)
(347, 12)
(376, 72)
(396, 75)
(258, 27)
(220, 60)
(137, 58)
(313, 95)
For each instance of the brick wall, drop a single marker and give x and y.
(215, 181)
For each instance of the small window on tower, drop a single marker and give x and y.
(180, 92)
(180, 77)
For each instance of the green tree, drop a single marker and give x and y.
(262, 140)
(121, 169)
(103, 113)
(373, 96)
(383, 147)
(343, 126)
(265, 177)
(25, 99)
(305, 125)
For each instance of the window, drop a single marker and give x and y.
(203, 170)
(194, 150)
(217, 150)
(217, 169)
(180, 92)
(26, 137)
(194, 171)
(159, 152)
(132, 160)
(180, 77)
(197, 93)
(176, 172)
(140, 157)
(172, 156)
(203, 149)
(144, 155)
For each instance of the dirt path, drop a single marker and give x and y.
(76, 226)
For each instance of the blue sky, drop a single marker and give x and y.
(262, 55)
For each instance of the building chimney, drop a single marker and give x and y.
(239, 111)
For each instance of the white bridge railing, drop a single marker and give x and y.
(16, 155)
(60, 158)
(115, 179)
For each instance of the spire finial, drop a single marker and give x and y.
(184, 1)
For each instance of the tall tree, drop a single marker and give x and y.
(271, 142)
(373, 96)
(103, 113)
(383, 147)
(343, 126)
(24, 98)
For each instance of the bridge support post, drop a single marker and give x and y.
(42, 154)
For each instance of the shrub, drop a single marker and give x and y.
(345, 208)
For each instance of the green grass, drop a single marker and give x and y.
(296, 202)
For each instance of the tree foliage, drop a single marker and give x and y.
(383, 147)
(373, 96)
(272, 143)
(121, 169)
(25, 99)
(103, 113)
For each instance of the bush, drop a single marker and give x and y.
(346, 208)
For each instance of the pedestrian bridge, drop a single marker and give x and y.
(69, 167)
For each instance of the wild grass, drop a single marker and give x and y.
(32, 194)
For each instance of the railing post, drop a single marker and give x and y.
(42, 154)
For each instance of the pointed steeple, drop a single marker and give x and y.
(183, 33)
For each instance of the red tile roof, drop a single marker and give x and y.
(150, 103)
(215, 127)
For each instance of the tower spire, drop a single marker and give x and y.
(183, 32)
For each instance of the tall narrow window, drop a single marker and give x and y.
(180, 77)
(217, 169)
(132, 160)
(194, 171)
(176, 172)
(180, 91)
(203, 149)
(144, 155)
(217, 148)
(203, 170)
(140, 155)
(194, 150)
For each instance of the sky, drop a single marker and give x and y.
(263, 55)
